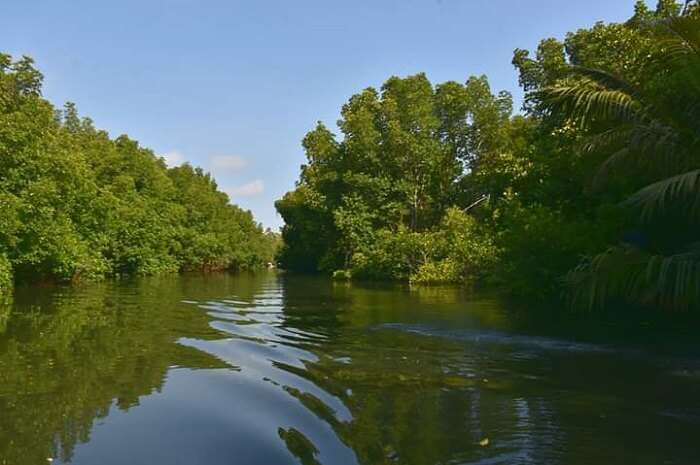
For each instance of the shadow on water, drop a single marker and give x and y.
(272, 368)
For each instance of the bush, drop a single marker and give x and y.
(440, 272)
(389, 255)
(6, 279)
(539, 245)
(457, 250)
(469, 245)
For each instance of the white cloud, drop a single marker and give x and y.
(228, 162)
(250, 189)
(173, 158)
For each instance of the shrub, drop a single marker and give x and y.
(540, 244)
(6, 279)
(457, 250)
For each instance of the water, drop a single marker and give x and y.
(275, 369)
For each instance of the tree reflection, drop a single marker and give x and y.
(69, 355)
(320, 373)
(413, 399)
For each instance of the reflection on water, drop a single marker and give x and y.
(273, 369)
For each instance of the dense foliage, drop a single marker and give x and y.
(445, 183)
(76, 204)
(381, 202)
(6, 285)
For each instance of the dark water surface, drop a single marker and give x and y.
(274, 369)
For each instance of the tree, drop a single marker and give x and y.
(649, 128)
(398, 169)
(76, 204)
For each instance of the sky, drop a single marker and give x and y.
(233, 86)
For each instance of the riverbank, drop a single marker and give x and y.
(572, 195)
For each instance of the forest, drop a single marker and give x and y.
(76, 204)
(590, 193)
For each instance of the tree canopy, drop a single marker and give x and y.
(77, 204)
(591, 190)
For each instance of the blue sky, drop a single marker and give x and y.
(233, 86)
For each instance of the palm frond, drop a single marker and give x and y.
(584, 102)
(620, 158)
(608, 140)
(630, 275)
(656, 131)
(681, 191)
(605, 79)
(685, 33)
(659, 149)
(650, 147)
(680, 41)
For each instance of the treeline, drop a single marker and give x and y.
(592, 191)
(75, 204)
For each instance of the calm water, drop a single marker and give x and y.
(273, 369)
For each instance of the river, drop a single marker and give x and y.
(271, 369)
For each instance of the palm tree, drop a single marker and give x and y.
(651, 129)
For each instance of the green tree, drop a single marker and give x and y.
(76, 204)
(398, 169)
(650, 129)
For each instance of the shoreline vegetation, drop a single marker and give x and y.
(591, 192)
(77, 205)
